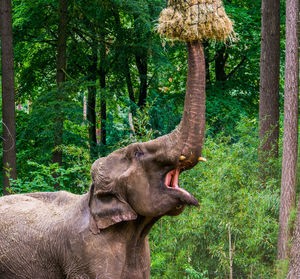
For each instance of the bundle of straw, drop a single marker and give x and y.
(191, 20)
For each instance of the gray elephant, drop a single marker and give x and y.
(103, 234)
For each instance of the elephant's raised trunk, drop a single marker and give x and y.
(184, 145)
(192, 126)
(209, 21)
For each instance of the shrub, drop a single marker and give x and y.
(229, 191)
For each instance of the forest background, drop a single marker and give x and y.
(123, 83)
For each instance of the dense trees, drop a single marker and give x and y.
(9, 167)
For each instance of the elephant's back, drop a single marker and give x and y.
(37, 210)
(29, 223)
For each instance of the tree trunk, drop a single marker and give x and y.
(141, 63)
(129, 82)
(91, 110)
(294, 267)
(220, 61)
(91, 116)
(269, 81)
(126, 68)
(141, 58)
(102, 76)
(103, 110)
(290, 136)
(8, 96)
(60, 78)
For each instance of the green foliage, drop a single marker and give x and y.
(282, 268)
(41, 179)
(73, 177)
(229, 191)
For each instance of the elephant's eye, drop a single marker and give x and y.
(138, 154)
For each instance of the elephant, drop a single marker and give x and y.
(103, 234)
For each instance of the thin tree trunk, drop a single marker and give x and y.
(290, 136)
(102, 76)
(294, 267)
(269, 81)
(60, 78)
(129, 82)
(220, 61)
(141, 59)
(8, 96)
(91, 111)
(141, 63)
(103, 111)
(126, 69)
(230, 253)
(91, 116)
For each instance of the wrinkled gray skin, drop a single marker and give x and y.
(103, 234)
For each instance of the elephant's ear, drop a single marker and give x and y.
(107, 209)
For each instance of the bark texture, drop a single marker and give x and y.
(294, 268)
(91, 116)
(129, 81)
(8, 96)
(141, 63)
(60, 77)
(269, 79)
(141, 58)
(91, 105)
(290, 137)
(102, 77)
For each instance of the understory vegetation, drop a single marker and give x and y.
(233, 204)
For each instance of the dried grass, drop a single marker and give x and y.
(195, 20)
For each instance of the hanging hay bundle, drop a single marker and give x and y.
(191, 20)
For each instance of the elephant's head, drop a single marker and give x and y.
(142, 178)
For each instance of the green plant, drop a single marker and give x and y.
(74, 176)
(229, 191)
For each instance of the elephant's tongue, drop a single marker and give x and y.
(172, 177)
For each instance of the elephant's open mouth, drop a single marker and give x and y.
(171, 181)
(172, 178)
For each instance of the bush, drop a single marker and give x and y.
(229, 191)
(73, 177)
